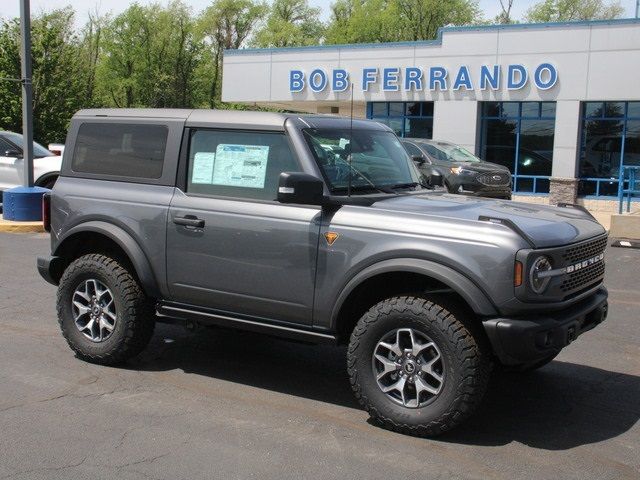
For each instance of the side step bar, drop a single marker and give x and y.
(182, 312)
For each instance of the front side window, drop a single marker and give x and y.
(118, 149)
(365, 160)
(238, 164)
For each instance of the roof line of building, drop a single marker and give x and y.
(438, 39)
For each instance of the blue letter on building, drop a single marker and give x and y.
(340, 80)
(390, 79)
(412, 77)
(438, 75)
(463, 79)
(369, 75)
(516, 82)
(296, 81)
(317, 80)
(493, 79)
(551, 81)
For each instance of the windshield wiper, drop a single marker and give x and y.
(361, 188)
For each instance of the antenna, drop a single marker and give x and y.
(350, 143)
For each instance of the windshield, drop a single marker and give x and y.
(16, 139)
(372, 159)
(449, 153)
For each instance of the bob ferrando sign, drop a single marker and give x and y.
(435, 78)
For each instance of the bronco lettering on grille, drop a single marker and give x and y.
(584, 263)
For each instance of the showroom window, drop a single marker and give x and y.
(610, 138)
(407, 119)
(519, 135)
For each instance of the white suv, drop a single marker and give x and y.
(46, 165)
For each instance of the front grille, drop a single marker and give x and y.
(494, 179)
(586, 250)
(583, 278)
(587, 276)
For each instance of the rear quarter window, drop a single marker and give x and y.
(120, 149)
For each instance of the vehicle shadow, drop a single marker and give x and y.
(561, 406)
(558, 407)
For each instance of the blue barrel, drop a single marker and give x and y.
(23, 204)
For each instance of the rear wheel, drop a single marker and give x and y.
(103, 313)
(415, 367)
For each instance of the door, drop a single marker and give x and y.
(230, 245)
(10, 167)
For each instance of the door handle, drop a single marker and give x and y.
(189, 221)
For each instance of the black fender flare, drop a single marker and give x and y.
(128, 244)
(477, 299)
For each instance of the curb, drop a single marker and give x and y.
(20, 227)
(626, 243)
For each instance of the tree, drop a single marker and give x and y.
(358, 21)
(226, 24)
(504, 16)
(59, 77)
(290, 23)
(149, 56)
(421, 19)
(568, 10)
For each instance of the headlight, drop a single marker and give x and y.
(537, 282)
(457, 170)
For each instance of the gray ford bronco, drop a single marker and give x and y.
(318, 229)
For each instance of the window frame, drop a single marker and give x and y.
(518, 119)
(171, 152)
(625, 118)
(404, 117)
(185, 153)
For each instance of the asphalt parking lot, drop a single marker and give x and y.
(230, 405)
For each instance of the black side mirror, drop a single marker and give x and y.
(300, 188)
(435, 180)
(12, 152)
(419, 159)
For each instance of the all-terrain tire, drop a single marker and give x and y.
(466, 365)
(134, 324)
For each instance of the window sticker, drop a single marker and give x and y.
(203, 167)
(240, 165)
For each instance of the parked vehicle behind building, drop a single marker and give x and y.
(462, 172)
(318, 229)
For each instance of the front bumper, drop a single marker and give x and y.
(469, 186)
(526, 340)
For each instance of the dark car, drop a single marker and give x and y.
(462, 172)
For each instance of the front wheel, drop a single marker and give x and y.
(415, 367)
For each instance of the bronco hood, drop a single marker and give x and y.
(542, 225)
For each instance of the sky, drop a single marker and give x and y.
(11, 8)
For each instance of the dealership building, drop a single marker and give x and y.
(559, 104)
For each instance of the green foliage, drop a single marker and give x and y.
(148, 58)
(226, 24)
(59, 80)
(355, 21)
(567, 10)
(290, 23)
